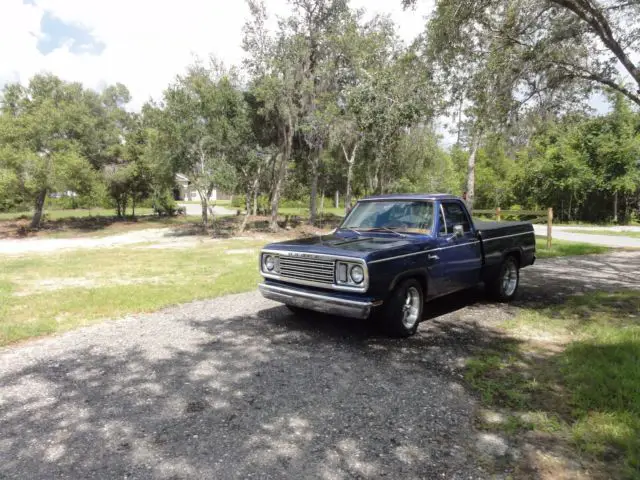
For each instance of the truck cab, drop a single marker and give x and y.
(391, 255)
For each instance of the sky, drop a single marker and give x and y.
(143, 44)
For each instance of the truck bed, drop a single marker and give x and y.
(491, 227)
(498, 238)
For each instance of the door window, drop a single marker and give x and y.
(455, 215)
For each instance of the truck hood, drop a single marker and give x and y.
(367, 245)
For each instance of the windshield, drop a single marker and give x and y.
(401, 216)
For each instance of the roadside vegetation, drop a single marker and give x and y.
(564, 248)
(564, 378)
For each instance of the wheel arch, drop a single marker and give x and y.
(418, 274)
(516, 253)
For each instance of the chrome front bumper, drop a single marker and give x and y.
(317, 302)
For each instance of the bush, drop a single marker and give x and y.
(163, 204)
(238, 201)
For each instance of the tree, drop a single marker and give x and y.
(315, 21)
(276, 65)
(559, 41)
(361, 50)
(613, 146)
(498, 60)
(46, 132)
(203, 125)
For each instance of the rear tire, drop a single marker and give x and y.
(504, 287)
(402, 312)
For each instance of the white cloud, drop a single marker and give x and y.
(147, 43)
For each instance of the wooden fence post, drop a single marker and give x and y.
(549, 223)
(498, 216)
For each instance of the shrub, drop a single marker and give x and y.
(164, 204)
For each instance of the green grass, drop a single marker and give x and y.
(304, 212)
(563, 248)
(606, 232)
(571, 372)
(73, 213)
(48, 294)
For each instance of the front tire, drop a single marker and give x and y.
(505, 286)
(403, 311)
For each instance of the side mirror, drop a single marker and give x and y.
(458, 231)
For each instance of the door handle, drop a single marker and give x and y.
(434, 257)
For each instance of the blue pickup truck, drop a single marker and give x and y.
(394, 253)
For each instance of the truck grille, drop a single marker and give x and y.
(307, 269)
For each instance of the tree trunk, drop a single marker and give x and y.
(133, 206)
(205, 209)
(255, 201)
(281, 172)
(275, 199)
(313, 201)
(337, 199)
(347, 195)
(247, 206)
(351, 160)
(39, 207)
(471, 175)
(615, 207)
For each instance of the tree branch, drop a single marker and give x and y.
(600, 25)
(578, 72)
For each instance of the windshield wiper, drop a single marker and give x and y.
(386, 229)
(351, 230)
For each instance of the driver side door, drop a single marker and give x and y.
(461, 254)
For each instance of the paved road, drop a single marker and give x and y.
(238, 387)
(195, 209)
(613, 241)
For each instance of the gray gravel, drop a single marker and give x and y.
(238, 387)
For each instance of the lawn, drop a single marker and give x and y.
(48, 294)
(73, 213)
(606, 232)
(304, 212)
(568, 376)
(563, 248)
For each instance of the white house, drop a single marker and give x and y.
(188, 193)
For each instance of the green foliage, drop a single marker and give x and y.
(163, 203)
(580, 165)
(55, 135)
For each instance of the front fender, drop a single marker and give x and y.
(419, 273)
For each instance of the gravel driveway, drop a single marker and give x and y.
(238, 387)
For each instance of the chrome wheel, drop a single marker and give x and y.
(510, 278)
(411, 308)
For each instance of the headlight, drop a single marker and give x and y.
(357, 274)
(269, 263)
(350, 274)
